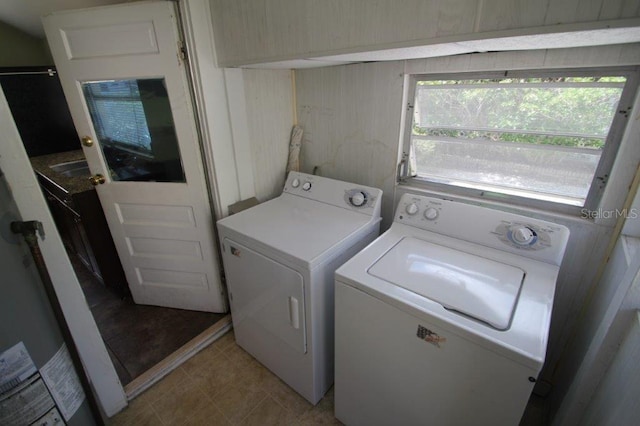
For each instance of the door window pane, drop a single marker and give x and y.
(135, 129)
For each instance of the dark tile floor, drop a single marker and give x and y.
(138, 337)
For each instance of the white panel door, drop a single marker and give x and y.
(127, 89)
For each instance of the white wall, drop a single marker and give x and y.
(351, 120)
(616, 400)
(600, 332)
(246, 118)
(269, 111)
(351, 117)
(260, 104)
(19, 49)
(612, 305)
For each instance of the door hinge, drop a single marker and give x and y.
(182, 52)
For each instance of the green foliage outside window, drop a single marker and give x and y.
(566, 111)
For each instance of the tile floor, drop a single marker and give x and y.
(223, 385)
(124, 325)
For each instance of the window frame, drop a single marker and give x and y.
(603, 171)
(92, 105)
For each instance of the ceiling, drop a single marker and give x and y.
(557, 40)
(25, 14)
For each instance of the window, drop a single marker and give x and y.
(119, 114)
(135, 129)
(539, 139)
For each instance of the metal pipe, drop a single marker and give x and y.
(50, 72)
(28, 231)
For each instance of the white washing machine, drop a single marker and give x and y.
(444, 319)
(279, 260)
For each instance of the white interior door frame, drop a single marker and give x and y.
(30, 201)
(220, 107)
(230, 181)
(163, 229)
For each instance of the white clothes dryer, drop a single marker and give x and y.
(444, 319)
(279, 260)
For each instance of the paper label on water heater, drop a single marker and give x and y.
(24, 398)
(15, 366)
(62, 380)
(27, 403)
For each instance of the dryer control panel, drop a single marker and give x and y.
(347, 195)
(534, 238)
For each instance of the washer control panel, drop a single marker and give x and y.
(338, 193)
(419, 211)
(524, 235)
(518, 234)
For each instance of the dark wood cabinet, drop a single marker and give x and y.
(84, 231)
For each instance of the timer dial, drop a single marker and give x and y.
(306, 186)
(358, 199)
(522, 235)
(411, 209)
(431, 213)
(295, 183)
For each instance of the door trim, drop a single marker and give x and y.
(32, 206)
(166, 277)
(177, 358)
(217, 136)
(217, 93)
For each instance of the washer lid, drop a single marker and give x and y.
(472, 285)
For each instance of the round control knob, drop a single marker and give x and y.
(522, 235)
(358, 199)
(411, 209)
(306, 186)
(295, 183)
(431, 213)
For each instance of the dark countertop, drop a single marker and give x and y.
(71, 185)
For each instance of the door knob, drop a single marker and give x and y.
(97, 180)
(87, 141)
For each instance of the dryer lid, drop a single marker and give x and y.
(481, 288)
